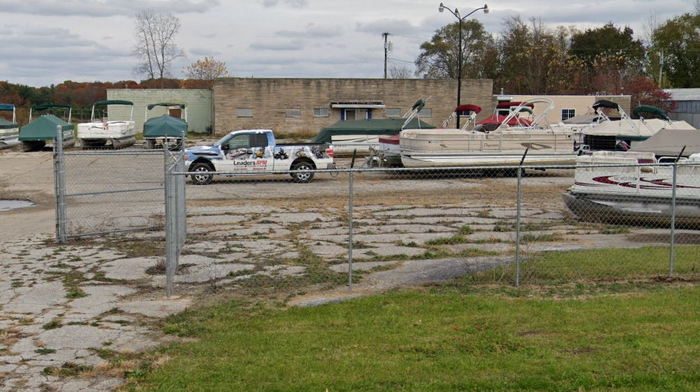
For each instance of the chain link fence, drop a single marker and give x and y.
(106, 191)
(378, 228)
(254, 232)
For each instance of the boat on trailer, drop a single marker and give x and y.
(9, 130)
(37, 132)
(504, 145)
(388, 151)
(165, 128)
(362, 136)
(99, 133)
(621, 134)
(633, 188)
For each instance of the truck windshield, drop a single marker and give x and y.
(223, 140)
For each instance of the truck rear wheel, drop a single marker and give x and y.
(199, 177)
(303, 172)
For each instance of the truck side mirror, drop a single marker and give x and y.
(224, 147)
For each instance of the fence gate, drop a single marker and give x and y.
(107, 191)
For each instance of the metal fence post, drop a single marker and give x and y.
(519, 197)
(350, 240)
(60, 186)
(672, 251)
(171, 236)
(181, 199)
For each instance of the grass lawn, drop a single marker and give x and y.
(465, 335)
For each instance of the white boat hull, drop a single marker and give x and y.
(634, 194)
(119, 133)
(454, 147)
(9, 137)
(347, 144)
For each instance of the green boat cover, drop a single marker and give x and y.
(164, 126)
(7, 107)
(4, 124)
(653, 110)
(387, 126)
(44, 128)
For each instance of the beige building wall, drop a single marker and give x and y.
(198, 101)
(292, 106)
(581, 104)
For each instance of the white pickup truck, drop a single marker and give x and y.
(255, 150)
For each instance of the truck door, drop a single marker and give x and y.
(247, 152)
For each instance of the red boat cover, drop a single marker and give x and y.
(461, 109)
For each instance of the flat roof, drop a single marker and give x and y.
(684, 94)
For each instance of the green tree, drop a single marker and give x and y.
(612, 57)
(534, 59)
(439, 56)
(617, 45)
(677, 43)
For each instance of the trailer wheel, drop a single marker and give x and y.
(199, 178)
(303, 172)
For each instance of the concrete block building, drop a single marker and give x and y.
(304, 106)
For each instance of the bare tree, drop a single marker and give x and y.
(155, 43)
(400, 72)
(207, 68)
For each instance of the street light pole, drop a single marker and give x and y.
(459, 47)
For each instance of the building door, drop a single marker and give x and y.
(355, 114)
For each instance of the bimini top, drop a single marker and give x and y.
(164, 126)
(468, 108)
(4, 124)
(383, 126)
(604, 103)
(655, 112)
(43, 128)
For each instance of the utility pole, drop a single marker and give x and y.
(386, 50)
(661, 66)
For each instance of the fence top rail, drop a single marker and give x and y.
(107, 152)
(444, 168)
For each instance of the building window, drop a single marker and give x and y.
(321, 112)
(392, 112)
(293, 113)
(245, 112)
(426, 113)
(567, 114)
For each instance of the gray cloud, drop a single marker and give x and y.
(202, 52)
(289, 3)
(104, 8)
(312, 31)
(276, 46)
(394, 26)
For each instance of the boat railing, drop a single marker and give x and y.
(537, 122)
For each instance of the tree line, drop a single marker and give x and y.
(531, 59)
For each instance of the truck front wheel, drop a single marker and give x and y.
(302, 172)
(200, 177)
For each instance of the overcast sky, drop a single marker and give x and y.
(48, 41)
